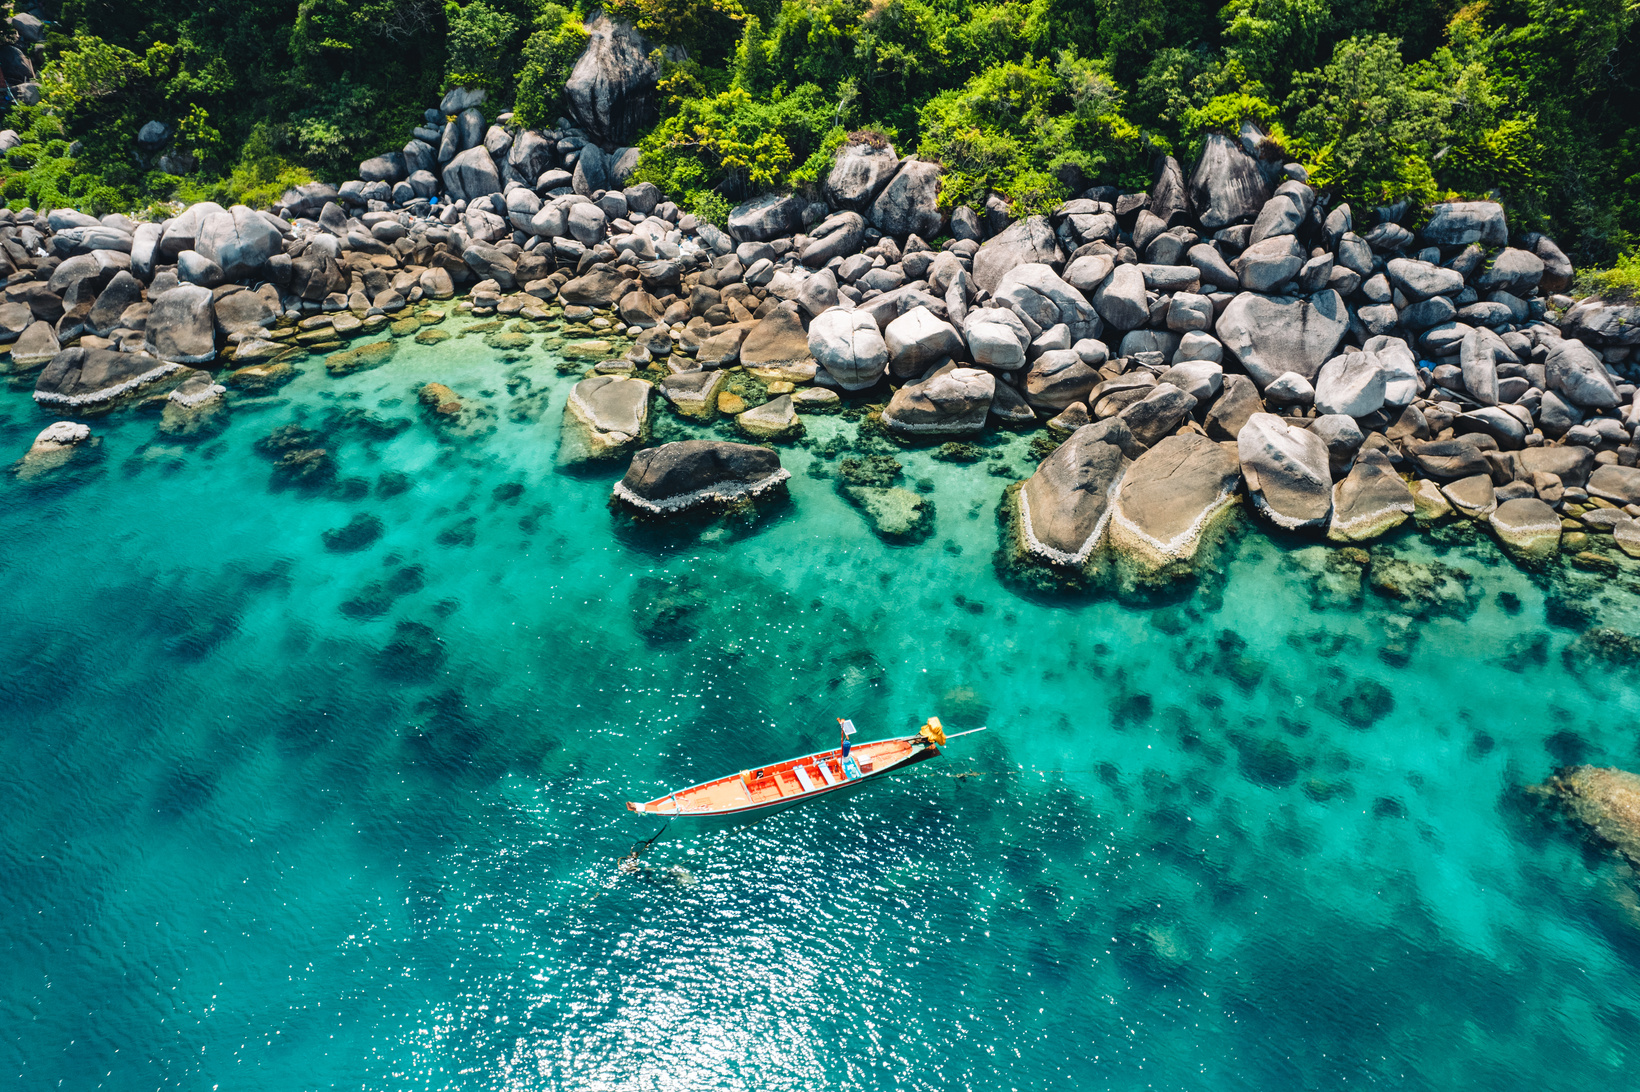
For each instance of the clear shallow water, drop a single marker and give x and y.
(281, 817)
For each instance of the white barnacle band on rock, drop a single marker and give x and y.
(688, 474)
(52, 448)
(1171, 498)
(1065, 507)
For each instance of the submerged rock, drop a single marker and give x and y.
(688, 474)
(1606, 801)
(694, 393)
(441, 401)
(195, 408)
(775, 419)
(361, 359)
(1171, 498)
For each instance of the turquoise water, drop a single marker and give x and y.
(281, 816)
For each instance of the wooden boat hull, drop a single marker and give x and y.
(753, 795)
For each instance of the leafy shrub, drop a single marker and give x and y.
(549, 56)
(479, 45)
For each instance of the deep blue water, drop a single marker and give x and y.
(278, 816)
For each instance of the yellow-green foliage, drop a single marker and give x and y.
(1621, 282)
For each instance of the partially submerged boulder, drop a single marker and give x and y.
(1286, 470)
(689, 474)
(1171, 498)
(604, 416)
(195, 408)
(1370, 501)
(775, 419)
(52, 449)
(1065, 506)
(694, 393)
(92, 380)
(1528, 529)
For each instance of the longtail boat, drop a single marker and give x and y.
(760, 791)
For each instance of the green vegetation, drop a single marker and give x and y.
(1035, 99)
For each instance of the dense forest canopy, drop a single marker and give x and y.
(1033, 99)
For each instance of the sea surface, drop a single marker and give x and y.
(284, 810)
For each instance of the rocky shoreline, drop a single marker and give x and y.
(1224, 335)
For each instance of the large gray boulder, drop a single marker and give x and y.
(1065, 506)
(837, 236)
(305, 200)
(89, 380)
(240, 241)
(1459, 223)
(1034, 292)
(604, 416)
(1575, 372)
(1618, 484)
(1171, 498)
(947, 401)
(1158, 413)
(909, 204)
(471, 175)
(1513, 270)
(1351, 384)
(996, 338)
(686, 474)
(181, 232)
(1057, 379)
(1227, 186)
(1370, 501)
(848, 345)
(859, 174)
(1235, 406)
(1595, 322)
(121, 292)
(778, 348)
(34, 348)
(387, 168)
(419, 156)
(1286, 470)
(182, 325)
(530, 155)
(767, 217)
(1270, 335)
(611, 90)
(1168, 198)
(1420, 280)
(1270, 263)
(1402, 384)
(917, 340)
(1029, 240)
(1120, 300)
(243, 311)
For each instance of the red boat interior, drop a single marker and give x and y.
(766, 785)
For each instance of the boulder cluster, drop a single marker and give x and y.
(1224, 334)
